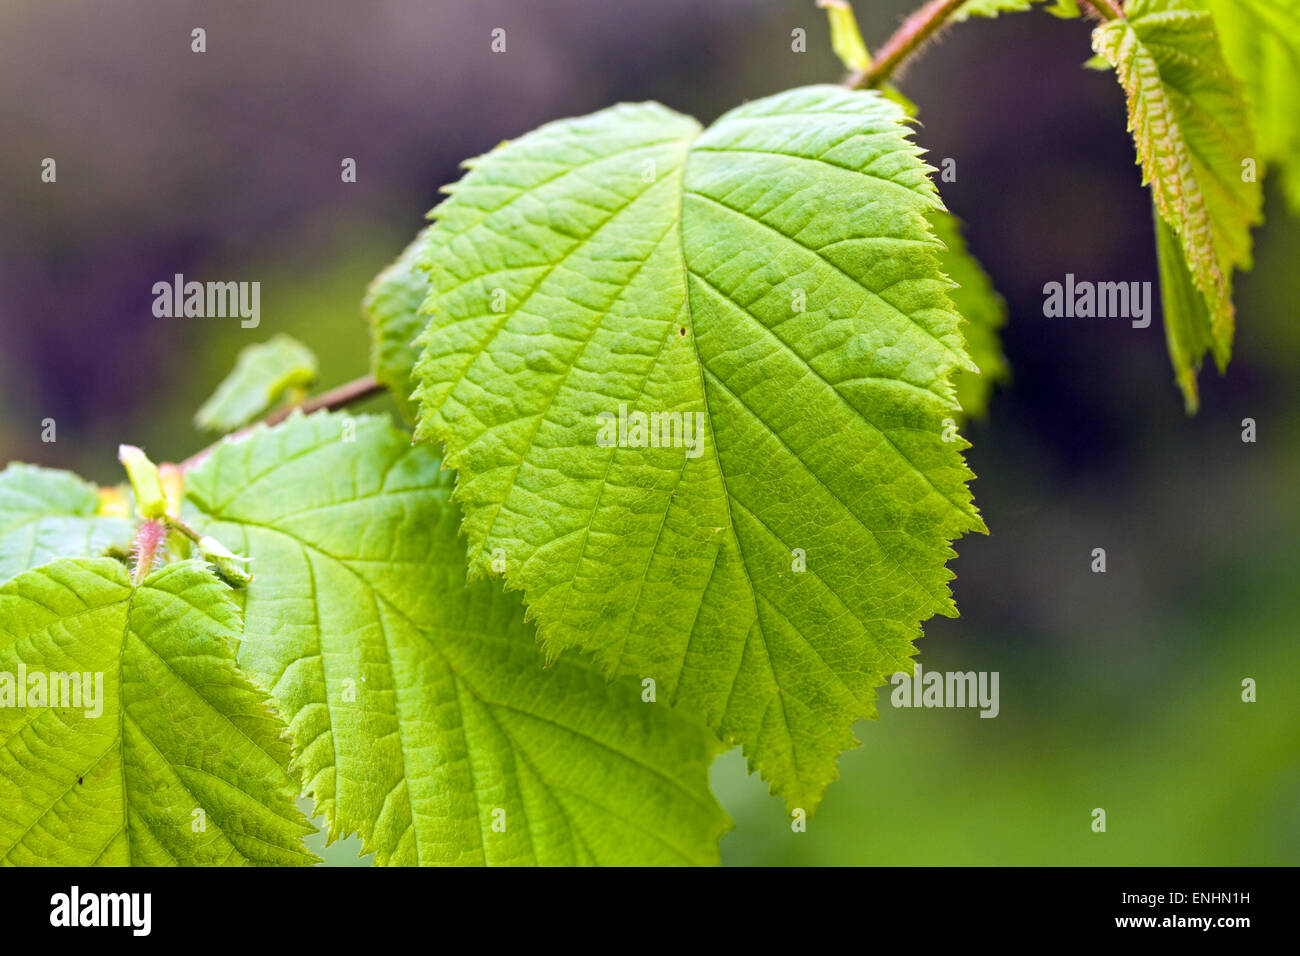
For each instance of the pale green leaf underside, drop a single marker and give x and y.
(262, 374)
(420, 706)
(181, 729)
(47, 514)
(1261, 41)
(629, 258)
(984, 311)
(1190, 123)
(392, 306)
(1187, 320)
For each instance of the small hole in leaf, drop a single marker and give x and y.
(682, 330)
(78, 780)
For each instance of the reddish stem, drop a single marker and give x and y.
(907, 39)
(344, 395)
(146, 549)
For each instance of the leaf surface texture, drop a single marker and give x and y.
(773, 281)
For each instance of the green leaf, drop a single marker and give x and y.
(891, 92)
(773, 283)
(146, 485)
(392, 306)
(47, 514)
(846, 38)
(990, 8)
(1187, 320)
(1065, 9)
(1261, 42)
(1190, 123)
(262, 374)
(984, 311)
(420, 706)
(180, 761)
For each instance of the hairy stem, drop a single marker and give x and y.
(907, 39)
(146, 549)
(922, 24)
(341, 397)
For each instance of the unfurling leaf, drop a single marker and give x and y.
(150, 499)
(1187, 320)
(846, 39)
(1190, 122)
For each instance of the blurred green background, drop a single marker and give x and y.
(1118, 690)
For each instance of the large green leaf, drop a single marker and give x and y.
(180, 761)
(1190, 123)
(47, 514)
(392, 305)
(1261, 41)
(420, 707)
(773, 282)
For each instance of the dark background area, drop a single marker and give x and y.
(1118, 690)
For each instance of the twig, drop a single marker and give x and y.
(340, 397)
(344, 395)
(907, 39)
(921, 25)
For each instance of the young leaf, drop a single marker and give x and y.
(47, 514)
(146, 484)
(392, 306)
(984, 311)
(1064, 9)
(262, 374)
(174, 758)
(1261, 41)
(990, 8)
(769, 289)
(423, 716)
(846, 38)
(1190, 123)
(1187, 320)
